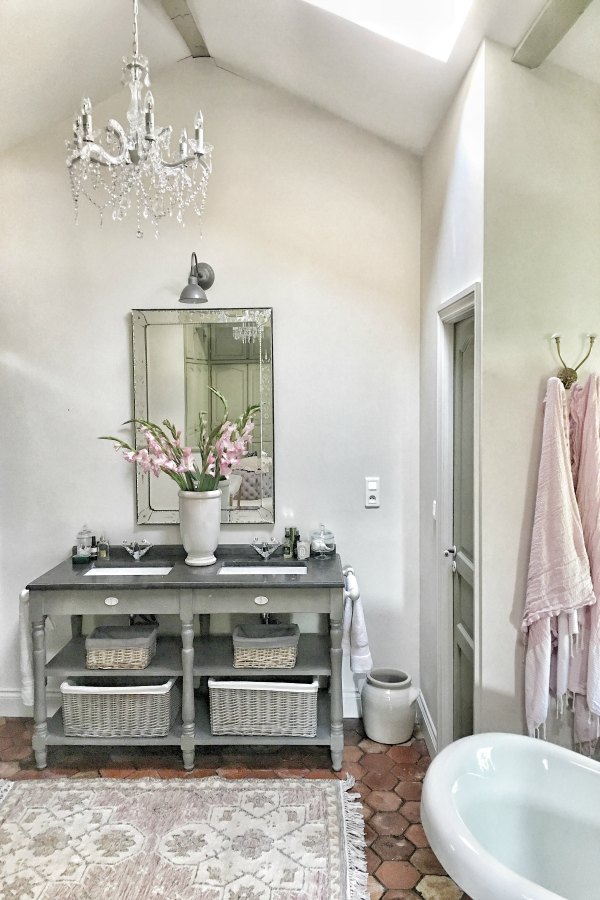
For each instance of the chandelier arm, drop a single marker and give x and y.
(183, 161)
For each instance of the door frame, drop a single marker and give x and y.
(458, 307)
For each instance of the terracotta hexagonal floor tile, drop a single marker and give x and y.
(383, 801)
(408, 790)
(377, 762)
(438, 887)
(397, 874)
(368, 813)
(355, 769)
(418, 837)
(370, 834)
(373, 861)
(369, 746)
(352, 754)
(375, 889)
(411, 810)
(404, 754)
(390, 847)
(427, 862)
(381, 781)
(389, 823)
(421, 746)
(400, 895)
(407, 771)
(362, 789)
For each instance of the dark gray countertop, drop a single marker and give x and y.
(321, 573)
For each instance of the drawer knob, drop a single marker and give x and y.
(111, 601)
(260, 601)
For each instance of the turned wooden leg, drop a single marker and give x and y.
(335, 688)
(187, 704)
(40, 714)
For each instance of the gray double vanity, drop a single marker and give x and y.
(194, 595)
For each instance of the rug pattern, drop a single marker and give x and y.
(202, 839)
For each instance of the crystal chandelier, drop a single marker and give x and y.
(135, 169)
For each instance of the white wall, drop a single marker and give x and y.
(305, 213)
(451, 260)
(542, 272)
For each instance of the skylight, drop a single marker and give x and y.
(428, 26)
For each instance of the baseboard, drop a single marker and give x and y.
(11, 705)
(351, 705)
(426, 723)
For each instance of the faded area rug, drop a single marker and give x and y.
(197, 839)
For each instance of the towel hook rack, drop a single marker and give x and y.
(568, 375)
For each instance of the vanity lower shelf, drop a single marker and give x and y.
(56, 735)
(204, 736)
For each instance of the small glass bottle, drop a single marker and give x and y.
(94, 548)
(103, 548)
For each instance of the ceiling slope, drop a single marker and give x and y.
(369, 80)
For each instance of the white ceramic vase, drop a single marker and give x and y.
(388, 706)
(200, 524)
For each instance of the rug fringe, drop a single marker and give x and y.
(354, 827)
(5, 788)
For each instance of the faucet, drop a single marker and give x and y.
(265, 548)
(137, 549)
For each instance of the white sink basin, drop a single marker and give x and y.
(262, 570)
(109, 571)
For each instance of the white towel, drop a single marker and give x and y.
(559, 575)
(355, 640)
(26, 650)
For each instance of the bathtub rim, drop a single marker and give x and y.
(475, 869)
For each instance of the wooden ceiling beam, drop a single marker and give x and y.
(179, 13)
(556, 18)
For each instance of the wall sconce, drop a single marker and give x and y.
(201, 277)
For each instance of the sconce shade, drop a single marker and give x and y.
(200, 279)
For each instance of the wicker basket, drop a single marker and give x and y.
(119, 707)
(263, 707)
(265, 646)
(120, 647)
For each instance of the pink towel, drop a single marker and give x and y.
(585, 410)
(558, 579)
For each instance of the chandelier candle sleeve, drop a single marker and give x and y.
(135, 170)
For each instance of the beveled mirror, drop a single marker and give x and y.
(177, 356)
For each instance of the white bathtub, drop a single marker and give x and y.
(513, 818)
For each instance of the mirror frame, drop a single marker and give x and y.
(140, 320)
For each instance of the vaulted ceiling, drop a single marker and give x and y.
(54, 52)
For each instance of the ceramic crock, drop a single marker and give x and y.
(388, 706)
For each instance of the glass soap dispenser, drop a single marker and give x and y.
(322, 543)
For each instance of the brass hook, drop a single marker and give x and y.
(568, 375)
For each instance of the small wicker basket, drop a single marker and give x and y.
(265, 646)
(119, 707)
(263, 707)
(120, 647)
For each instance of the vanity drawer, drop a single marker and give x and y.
(103, 601)
(262, 599)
